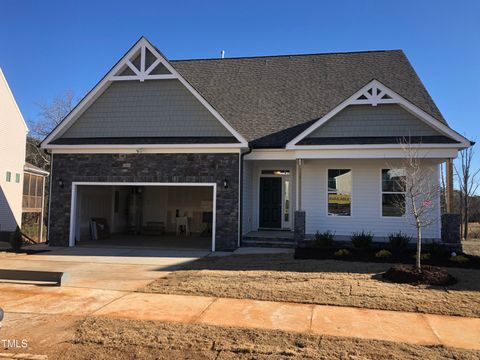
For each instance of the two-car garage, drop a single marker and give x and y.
(167, 215)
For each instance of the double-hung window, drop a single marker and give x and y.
(339, 192)
(393, 192)
(8, 176)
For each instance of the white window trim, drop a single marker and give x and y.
(389, 192)
(143, 43)
(73, 204)
(379, 89)
(351, 196)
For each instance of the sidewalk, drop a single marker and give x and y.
(414, 328)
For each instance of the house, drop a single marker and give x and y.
(13, 135)
(208, 152)
(33, 202)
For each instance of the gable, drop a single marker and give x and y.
(387, 120)
(153, 108)
(130, 105)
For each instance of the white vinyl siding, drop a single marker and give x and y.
(366, 199)
(12, 149)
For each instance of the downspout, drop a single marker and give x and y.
(240, 200)
(50, 198)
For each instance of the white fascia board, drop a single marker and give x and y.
(396, 99)
(109, 77)
(393, 151)
(270, 154)
(424, 153)
(138, 149)
(27, 169)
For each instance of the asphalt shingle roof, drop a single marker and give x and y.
(270, 100)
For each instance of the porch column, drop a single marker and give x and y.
(298, 198)
(449, 186)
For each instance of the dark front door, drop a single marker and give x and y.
(271, 202)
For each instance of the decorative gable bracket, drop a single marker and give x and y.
(143, 64)
(374, 95)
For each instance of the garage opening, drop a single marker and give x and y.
(143, 215)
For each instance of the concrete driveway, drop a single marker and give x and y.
(124, 269)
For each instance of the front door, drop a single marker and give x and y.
(271, 202)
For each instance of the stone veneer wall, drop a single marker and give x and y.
(195, 168)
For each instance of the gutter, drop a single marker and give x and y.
(240, 200)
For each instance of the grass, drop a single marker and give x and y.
(327, 282)
(100, 338)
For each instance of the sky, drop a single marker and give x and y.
(48, 47)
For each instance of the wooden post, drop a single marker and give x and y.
(449, 186)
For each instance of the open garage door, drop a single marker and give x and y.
(156, 215)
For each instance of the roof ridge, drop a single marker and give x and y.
(291, 55)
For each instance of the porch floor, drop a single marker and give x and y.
(194, 241)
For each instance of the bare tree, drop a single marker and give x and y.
(51, 114)
(421, 191)
(469, 182)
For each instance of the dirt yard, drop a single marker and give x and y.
(326, 282)
(474, 231)
(100, 338)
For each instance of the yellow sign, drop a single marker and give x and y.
(342, 199)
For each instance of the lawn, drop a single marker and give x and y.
(99, 338)
(328, 282)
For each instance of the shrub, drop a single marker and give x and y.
(424, 256)
(16, 240)
(342, 252)
(434, 248)
(362, 240)
(324, 239)
(383, 254)
(398, 242)
(460, 259)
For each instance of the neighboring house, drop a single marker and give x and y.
(239, 145)
(13, 135)
(33, 202)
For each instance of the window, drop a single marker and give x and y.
(393, 192)
(9, 176)
(286, 196)
(339, 192)
(17, 178)
(275, 172)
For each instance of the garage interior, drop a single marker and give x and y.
(144, 216)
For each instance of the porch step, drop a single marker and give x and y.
(263, 242)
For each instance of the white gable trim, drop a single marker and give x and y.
(375, 93)
(111, 76)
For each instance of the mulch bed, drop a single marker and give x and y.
(368, 255)
(429, 275)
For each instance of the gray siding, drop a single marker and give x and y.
(153, 108)
(367, 120)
